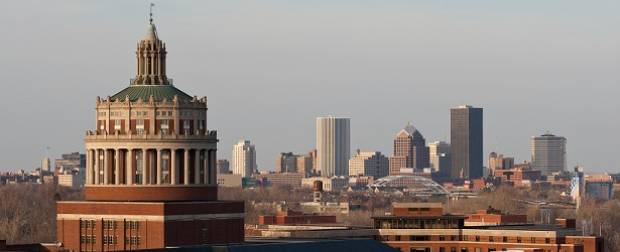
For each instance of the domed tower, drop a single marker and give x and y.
(151, 169)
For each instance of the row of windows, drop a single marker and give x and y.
(109, 224)
(132, 225)
(145, 113)
(454, 249)
(476, 238)
(110, 240)
(88, 239)
(87, 223)
(133, 240)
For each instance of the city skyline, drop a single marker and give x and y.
(582, 70)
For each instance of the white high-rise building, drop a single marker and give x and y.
(244, 159)
(45, 164)
(439, 156)
(549, 153)
(333, 145)
(369, 163)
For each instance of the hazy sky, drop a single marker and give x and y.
(270, 67)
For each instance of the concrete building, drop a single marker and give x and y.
(410, 150)
(466, 142)
(71, 180)
(498, 162)
(548, 153)
(223, 166)
(369, 163)
(282, 179)
(46, 164)
(599, 186)
(333, 145)
(305, 164)
(244, 159)
(229, 180)
(70, 161)
(150, 169)
(286, 162)
(333, 184)
(439, 157)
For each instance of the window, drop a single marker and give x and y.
(442, 238)
(109, 224)
(117, 124)
(478, 249)
(547, 240)
(533, 240)
(164, 126)
(465, 238)
(504, 239)
(491, 238)
(186, 124)
(140, 126)
(442, 249)
(477, 238)
(519, 239)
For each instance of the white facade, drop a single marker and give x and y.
(46, 164)
(548, 153)
(369, 163)
(439, 156)
(333, 145)
(244, 159)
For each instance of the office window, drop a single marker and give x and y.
(117, 124)
(533, 240)
(519, 239)
(504, 239)
(442, 238)
(477, 238)
(547, 240)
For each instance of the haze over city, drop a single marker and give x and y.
(269, 70)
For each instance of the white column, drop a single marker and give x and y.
(197, 166)
(158, 166)
(174, 176)
(106, 168)
(144, 167)
(88, 173)
(129, 170)
(96, 164)
(117, 166)
(186, 166)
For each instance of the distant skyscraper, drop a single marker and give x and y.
(244, 159)
(410, 150)
(466, 142)
(369, 163)
(333, 145)
(439, 157)
(45, 164)
(286, 162)
(304, 164)
(223, 166)
(499, 162)
(549, 153)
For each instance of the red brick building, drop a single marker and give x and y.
(150, 170)
(416, 227)
(290, 217)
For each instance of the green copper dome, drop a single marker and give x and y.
(159, 92)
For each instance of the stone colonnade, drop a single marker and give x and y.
(165, 166)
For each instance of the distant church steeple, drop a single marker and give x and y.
(151, 58)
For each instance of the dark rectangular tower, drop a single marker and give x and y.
(466, 142)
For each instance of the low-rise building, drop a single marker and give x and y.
(229, 180)
(331, 184)
(285, 179)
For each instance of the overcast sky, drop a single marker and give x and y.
(270, 67)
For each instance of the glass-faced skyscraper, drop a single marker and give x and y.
(466, 142)
(333, 145)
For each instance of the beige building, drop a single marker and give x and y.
(244, 159)
(71, 180)
(287, 179)
(333, 145)
(499, 162)
(332, 184)
(369, 163)
(229, 180)
(305, 164)
(439, 156)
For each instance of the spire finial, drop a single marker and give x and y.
(151, 13)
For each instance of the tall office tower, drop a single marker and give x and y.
(333, 145)
(223, 166)
(46, 164)
(466, 142)
(548, 153)
(286, 162)
(410, 150)
(439, 157)
(244, 159)
(304, 164)
(499, 162)
(369, 163)
(150, 169)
